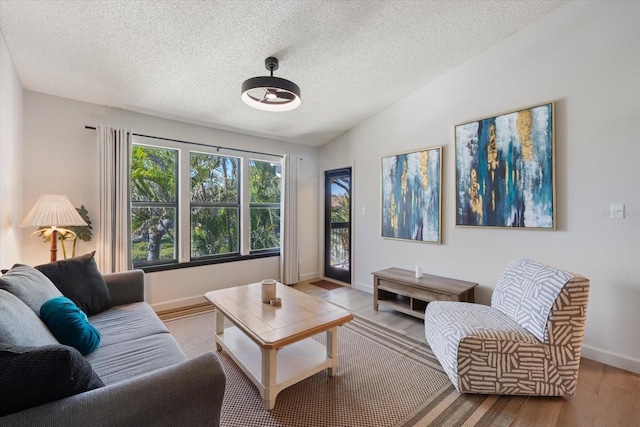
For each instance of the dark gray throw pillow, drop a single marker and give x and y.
(79, 280)
(32, 376)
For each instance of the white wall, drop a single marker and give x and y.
(586, 57)
(10, 160)
(61, 157)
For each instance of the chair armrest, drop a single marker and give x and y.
(189, 393)
(126, 287)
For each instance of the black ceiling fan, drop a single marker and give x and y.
(271, 93)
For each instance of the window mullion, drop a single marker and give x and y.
(184, 205)
(245, 217)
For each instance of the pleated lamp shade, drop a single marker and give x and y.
(53, 210)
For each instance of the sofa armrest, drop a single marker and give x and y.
(126, 287)
(189, 393)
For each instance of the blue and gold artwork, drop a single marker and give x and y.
(505, 170)
(411, 195)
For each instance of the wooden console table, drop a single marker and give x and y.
(399, 290)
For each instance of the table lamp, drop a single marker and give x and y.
(53, 211)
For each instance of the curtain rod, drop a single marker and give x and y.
(218, 147)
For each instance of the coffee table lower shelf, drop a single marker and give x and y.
(293, 363)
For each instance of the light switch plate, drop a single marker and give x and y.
(617, 211)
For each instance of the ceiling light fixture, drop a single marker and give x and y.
(270, 93)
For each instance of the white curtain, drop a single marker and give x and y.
(289, 273)
(113, 253)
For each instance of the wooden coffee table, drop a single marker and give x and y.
(273, 345)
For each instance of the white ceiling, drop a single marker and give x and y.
(186, 60)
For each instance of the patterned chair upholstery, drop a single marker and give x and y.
(527, 343)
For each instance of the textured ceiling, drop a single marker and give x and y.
(186, 60)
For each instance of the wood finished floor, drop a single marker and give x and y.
(606, 396)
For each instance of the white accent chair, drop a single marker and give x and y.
(528, 342)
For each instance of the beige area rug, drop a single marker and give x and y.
(383, 379)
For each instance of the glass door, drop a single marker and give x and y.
(337, 220)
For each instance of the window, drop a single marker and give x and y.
(264, 183)
(154, 205)
(215, 205)
(201, 206)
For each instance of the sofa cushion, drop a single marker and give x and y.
(448, 323)
(127, 322)
(125, 360)
(70, 325)
(30, 285)
(19, 325)
(31, 376)
(79, 279)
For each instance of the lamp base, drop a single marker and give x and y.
(54, 245)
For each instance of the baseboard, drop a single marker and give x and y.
(362, 287)
(309, 276)
(610, 358)
(178, 303)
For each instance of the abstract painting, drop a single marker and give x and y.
(411, 195)
(505, 170)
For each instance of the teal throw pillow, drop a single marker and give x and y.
(70, 325)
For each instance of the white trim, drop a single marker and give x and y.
(178, 303)
(611, 358)
(309, 276)
(363, 287)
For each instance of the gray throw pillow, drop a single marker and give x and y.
(79, 280)
(19, 325)
(31, 376)
(30, 285)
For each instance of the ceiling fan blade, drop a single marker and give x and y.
(264, 97)
(285, 95)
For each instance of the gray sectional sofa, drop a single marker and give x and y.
(147, 379)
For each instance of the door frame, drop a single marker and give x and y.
(323, 222)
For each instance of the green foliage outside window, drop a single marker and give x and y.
(153, 174)
(154, 198)
(265, 184)
(214, 205)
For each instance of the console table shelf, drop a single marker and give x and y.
(401, 291)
